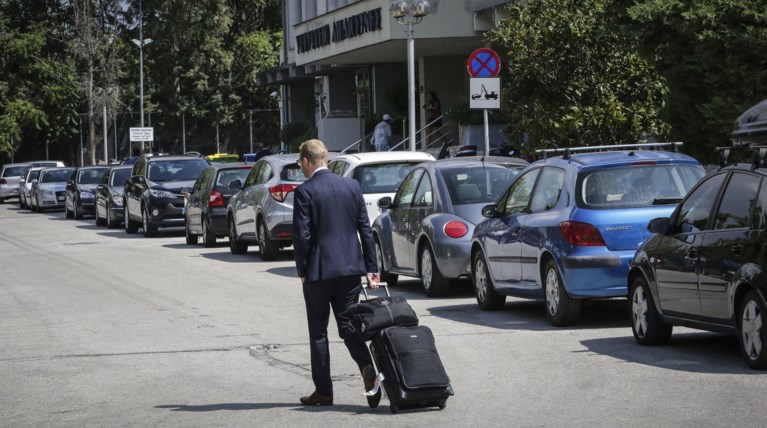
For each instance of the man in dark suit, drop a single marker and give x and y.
(329, 224)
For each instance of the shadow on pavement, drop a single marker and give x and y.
(346, 408)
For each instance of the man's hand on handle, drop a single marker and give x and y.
(373, 280)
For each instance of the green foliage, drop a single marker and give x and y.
(295, 133)
(571, 79)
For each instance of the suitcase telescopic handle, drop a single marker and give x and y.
(383, 285)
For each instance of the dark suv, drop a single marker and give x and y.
(81, 189)
(705, 266)
(154, 195)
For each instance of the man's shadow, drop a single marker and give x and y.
(264, 406)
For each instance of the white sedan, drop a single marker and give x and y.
(379, 173)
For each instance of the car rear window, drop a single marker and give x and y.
(292, 172)
(382, 178)
(636, 186)
(226, 176)
(119, 177)
(15, 171)
(477, 184)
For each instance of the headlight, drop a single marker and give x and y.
(117, 200)
(161, 194)
(86, 195)
(47, 192)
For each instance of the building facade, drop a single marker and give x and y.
(344, 64)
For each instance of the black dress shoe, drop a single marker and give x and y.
(317, 399)
(369, 378)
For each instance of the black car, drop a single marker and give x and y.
(109, 196)
(705, 266)
(81, 189)
(206, 204)
(154, 194)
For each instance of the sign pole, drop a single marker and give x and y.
(487, 134)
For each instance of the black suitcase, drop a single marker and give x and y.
(370, 316)
(413, 372)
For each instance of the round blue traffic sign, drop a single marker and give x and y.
(483, 62)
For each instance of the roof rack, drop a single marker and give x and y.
(639, 146)
(758, 154)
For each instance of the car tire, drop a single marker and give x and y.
(389, 278)
(99, 221)
(77, 213)
(434, 284)
(150, 230)
(111, 223)
(191, 238)
(646, 324)
(561, 309)
(267, 247)
(235, 245)
(208, 237)
(68, 213)
(751, 331)
(487, 298)
(131, 226)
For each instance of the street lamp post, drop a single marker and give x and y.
(140, 43)
(399, 10)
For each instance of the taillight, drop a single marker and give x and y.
(216, 200)
(3, 181)
(583, 234)
(280, 191)
(456, 229)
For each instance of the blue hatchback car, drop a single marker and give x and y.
(568, 226)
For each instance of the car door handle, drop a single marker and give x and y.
(737, 248)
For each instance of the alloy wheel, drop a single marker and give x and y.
(480, 279)
(751, 329)
(552, 292)
(639, 312)
(427, 269)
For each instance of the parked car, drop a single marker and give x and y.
(47, 163)
(49, 189)
(10, 174)
(379, 173)
(154, 194)
(25, 185)
(261, 212)
(425, 230)
(207, 202)
(705, 266)
(568, 226)
(81, 191)
(109, 196)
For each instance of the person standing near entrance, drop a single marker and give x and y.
(382, 134)
(333, 247)
(433, 109)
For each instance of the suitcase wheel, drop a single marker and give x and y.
(442, 404)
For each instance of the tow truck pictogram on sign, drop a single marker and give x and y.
(483, 92)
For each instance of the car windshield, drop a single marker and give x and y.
(635, 186)
(226, 176)
(476, 184)
(292, 172)
(15, 171)
(90, 176)
(176, 170)
(382, 178)
(55, 175)
(119, 176)
(31, 175)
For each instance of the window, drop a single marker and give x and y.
(381, 178)
(519, 194)
(119, 176)
(548, 190)
(694, 212)
(760, 211)
(227, 176)
(404, 196)
(423, 195)
(89, 176)
(737, 201)
(264, 173)
(251, 180)
(292, 172)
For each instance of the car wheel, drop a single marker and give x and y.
(111, 223)
(389, 278)
(434, 284)
(751, 319)
(191, 238)
(646, 324)
(77, 213)
(99, 221)
(131, 226)
(150, 230)
(68, 213)
(487, 298)
(268, 248)
(208, 237)
(561, 309)
(235, 245)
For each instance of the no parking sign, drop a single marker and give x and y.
(483, 62)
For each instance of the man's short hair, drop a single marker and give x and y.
(314, 151)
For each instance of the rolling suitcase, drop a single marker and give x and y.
(413, 374)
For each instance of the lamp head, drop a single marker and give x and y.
(398, 9)
(419, 8)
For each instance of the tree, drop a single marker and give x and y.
(711, 53)
(572, 79)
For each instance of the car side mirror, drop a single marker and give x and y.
(70, 184)
(385, 202)
(137, 179)
(489, 211)
(235, 184)
(660, 225)
(101, 187)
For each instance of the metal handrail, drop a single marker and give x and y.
(406, 139)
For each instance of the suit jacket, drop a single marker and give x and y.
(332, 237)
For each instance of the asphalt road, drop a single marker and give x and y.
(100, 328)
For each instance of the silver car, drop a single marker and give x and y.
(261, 212)
(9, 180)
(49, 189)
(425, 230)
(25, 186)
